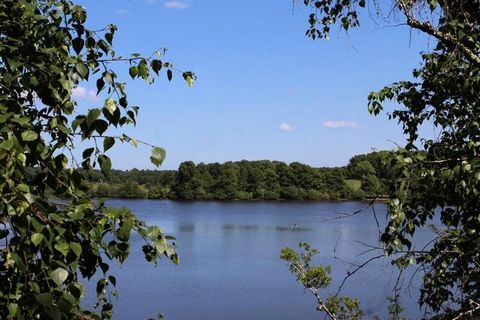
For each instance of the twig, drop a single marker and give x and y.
(450, 41)
(475, 307)
(349, 274)
(347, 215)
(314, 291)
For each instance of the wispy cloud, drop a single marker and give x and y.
(341, 124)
(81, 93)
(175, 4)
(287, 127)
(121, 12)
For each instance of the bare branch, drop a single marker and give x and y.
(349, 274)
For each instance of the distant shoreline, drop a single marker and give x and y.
(367, 200)
(365, 177)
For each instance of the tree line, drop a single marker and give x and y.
(365, 176)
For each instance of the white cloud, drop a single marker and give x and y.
(287, 127)
(81, 93)
(341, 124)
(175, 4)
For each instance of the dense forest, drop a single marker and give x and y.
(365, 176)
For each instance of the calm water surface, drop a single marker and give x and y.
(230, 266)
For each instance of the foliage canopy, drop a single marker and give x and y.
(435, 178)
(46, 50)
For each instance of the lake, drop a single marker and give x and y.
(230, 267)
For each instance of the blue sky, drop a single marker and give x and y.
(264, 90)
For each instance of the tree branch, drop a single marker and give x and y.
(314, 291)
(449, 40)
(475, 307)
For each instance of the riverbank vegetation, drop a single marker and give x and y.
(365, 176)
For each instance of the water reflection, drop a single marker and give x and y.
(230, 266)
(186, 228)
(250, 227)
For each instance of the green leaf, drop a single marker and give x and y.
(23, 121)
(7, 144)
(12, 309)
(143, 69)
(93, 114)
(76, 290)
(62, 247)
(133, 71)
(76, 215)
(113, 280)
(169, 74)
(76, 248)
(87, 153)
(82, 70)
(45, 299)
(22, 158)
(158, 155)
(37, 238)
(108, 142)
(156, 66)
(77, 45)
(105, 164)
(100, 125)
(78, 121)
(109, 37)
(29, 135)
(100, 85)
(5, 117)
(59, 276)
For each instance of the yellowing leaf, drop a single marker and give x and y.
(188, 76)
(111, 105)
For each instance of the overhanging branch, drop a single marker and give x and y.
(449, 40)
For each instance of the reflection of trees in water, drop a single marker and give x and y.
(186, 228)
(252, 227)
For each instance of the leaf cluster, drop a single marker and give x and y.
(49, 246)
(435, 180)
(316, 277)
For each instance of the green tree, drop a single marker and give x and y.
(361, 169)
(188, 181)
(372, 185)
(226, 185)
(132, 189)
(46, 50)
(436, 179)
(270, 184)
